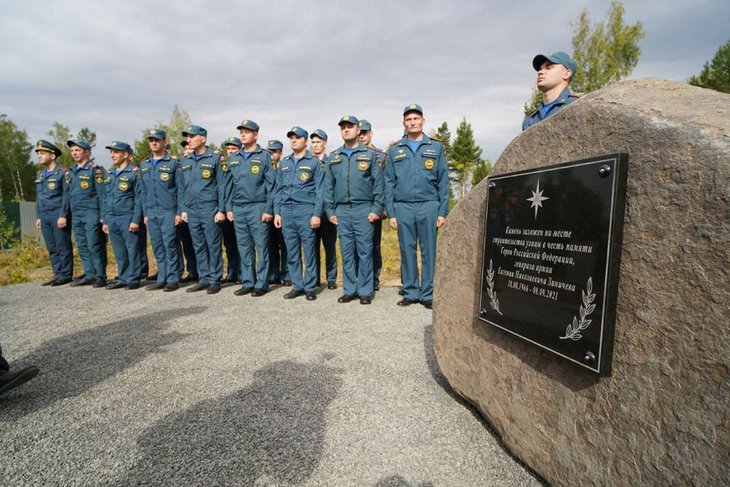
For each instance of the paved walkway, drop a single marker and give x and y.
(142, 387)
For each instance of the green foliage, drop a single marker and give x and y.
(179, 121)
(87, 136)
(465, 154)
(534, 102)
(715, 75)
(17, 171)
(59, 135)
(8, 230)
(605, 52)
(481, 171)
(17, 265)
(444, 135)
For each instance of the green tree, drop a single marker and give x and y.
(715, 75)
(8, 230)
(59, 135)
(17, 171)
(87, 136)
(465, 154)
(179, 121)
(444, 135)
(604, 52)
(481, 171)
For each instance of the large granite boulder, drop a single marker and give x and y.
(662, 418)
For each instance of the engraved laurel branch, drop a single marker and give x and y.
(572, 332)
(493, 301)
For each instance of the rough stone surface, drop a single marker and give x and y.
(662, 417)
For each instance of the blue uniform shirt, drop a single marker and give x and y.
(299, 182)
(546, 111)
(51, 191)
(353, 178)
(86, 188)
(123, 194)
(250, 178)
(418, 176)
(159, 184)
(201, 182)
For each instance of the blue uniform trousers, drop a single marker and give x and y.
(60, 250)
(417, 224)
(144, 263)
(253, 244)
(233, 256)
(126, 248)
(327, 237)
(299, 235)
(163, 234)
(206, 235)
(377, 253)
(185, 248)
(91, 242)
(278, 265)
(356, 246)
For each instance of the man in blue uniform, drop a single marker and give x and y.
(201, 200)
(297, 211)
(554, 73)
(327, 231)
(185, 242)
(159, 174)
(354, 199)
(250, 206)
(278, 267)
(417, 202)
(51, 189)
(366, 138)
(228, 231)
(85, 181)
(123, 214)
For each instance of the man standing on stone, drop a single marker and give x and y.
(51, 190)
(159, 175)
(327, 232)
(354, 199)
(417, 202)
(201, 201)
(250, 206)
(278, 267)
(554, 73)
(86, 182)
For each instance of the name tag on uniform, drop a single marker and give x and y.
(185, 168)
(398, 157)
(145, 169)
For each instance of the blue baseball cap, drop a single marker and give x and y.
(558, 57)
(319, 133)
(413, 107)
(79, 143)
(365, 125)
(45, 146)
(233, 141)
(298, 131)
(158, 134)
(195, 130)
(122, 146)
(248, 124)
(275, 145)
(348, 119)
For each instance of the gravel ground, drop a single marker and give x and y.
(158, 388)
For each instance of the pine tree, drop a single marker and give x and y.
(715, 75)
(465, 154)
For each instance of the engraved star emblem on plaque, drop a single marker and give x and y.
(537, 199)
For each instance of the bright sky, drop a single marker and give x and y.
(118, 67)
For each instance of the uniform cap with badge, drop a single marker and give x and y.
(275, 145)
(298, 131)
(120, 146)
(78, 143)
(558, 57)
(194, 130)
(158, 134)
(45, 146)
(319, 133)
(413, 107)
(233, 141)
(248, 124)
(365, 126)
(348, 119)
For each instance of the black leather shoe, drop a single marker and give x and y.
(274, 282)
(376, 286)
(79, 277)
(407, 302)
(214, 288)
(258, 292)
(294, 293)
(115, 285)
(366, 300)
(151, 277)
(156, 286)
(60, 282)
(99, 283)
(188, 278)
(171, 286)
(243, 291)
(311, 296)
(428, 304)
(9, 380)
(49, 282)
(198, 287)
(346, 298)
(132, 286)
(286, 283)
(83, 282)
(228, 280)
(331, 285)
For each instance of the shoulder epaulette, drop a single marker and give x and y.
(433, 137)
(531, 114)
(574, 95)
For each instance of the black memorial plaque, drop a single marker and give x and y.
(552, 253)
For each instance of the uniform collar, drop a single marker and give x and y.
(342, 150)
(307, 155)
(562, 98)
(425, 140)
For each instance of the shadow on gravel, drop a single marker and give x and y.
(398, 481)
(74, 363)
(441, 380)
(271, 432)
